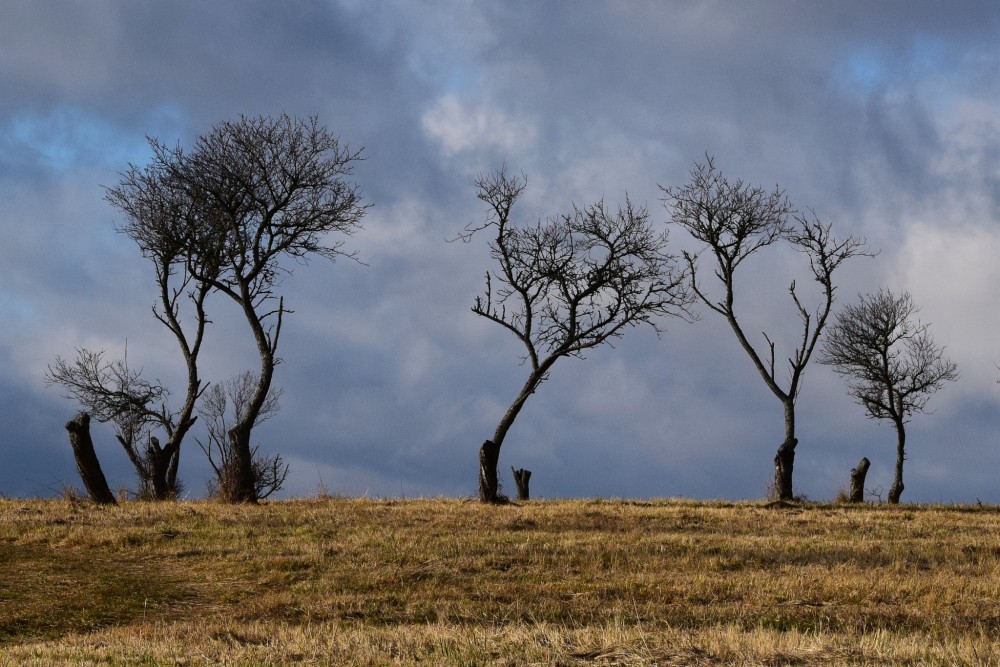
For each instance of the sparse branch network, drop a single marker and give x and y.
(890, 361)
(568, 284)
(733, 221)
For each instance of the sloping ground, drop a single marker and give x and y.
(450, 582)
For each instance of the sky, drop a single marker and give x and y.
(883, 118)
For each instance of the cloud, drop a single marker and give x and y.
(460, 128)
(880, 116)
(953, 276)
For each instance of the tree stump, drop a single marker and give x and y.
(858, 480)
(86, 460)
(521, 477)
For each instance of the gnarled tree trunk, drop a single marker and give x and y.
(896, 490)
(858, 480)
(521, 477)
(241, 487)
(158, 464)
(86, 460)
(489, 455)
(783, 462)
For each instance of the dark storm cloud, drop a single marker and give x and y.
(881, 116)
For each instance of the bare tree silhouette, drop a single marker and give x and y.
(734, 221)
(566, 285)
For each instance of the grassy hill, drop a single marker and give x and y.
(450, 582)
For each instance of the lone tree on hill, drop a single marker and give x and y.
(253, 192)
(734, 221)
(566, 285)
(890, 361)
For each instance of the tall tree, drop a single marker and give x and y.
(565, 285)
(734, 221)
(890, 361)
(158, 213)
(255, 191)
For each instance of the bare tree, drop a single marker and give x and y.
(735, 220)
(110, 391)
(890, 361)
(223, 405)
(159, 214)
(566, 285)
(255, 191)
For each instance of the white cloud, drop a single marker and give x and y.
(459, 127)
(953, 276)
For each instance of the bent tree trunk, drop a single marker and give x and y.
(858, 475)
(896, 490)
(521, 477)
(489, 453)
(243, 478)
(489, 456)
(86, 460)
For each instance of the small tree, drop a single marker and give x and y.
(890, 361)
(110, 391)
(253, 192)
(734, 221)
(223, 405)
(566, 285)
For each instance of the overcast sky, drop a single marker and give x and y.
(882, 117)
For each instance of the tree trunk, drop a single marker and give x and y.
(896, 490)
(243, 481)
(241, 487)
(785, 457)
(175, 460)
(858, 480)
(158, 464)
(489, 455)
(86, 460)
(521, 477)
(783, 462)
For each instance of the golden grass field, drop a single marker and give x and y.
(451, 582)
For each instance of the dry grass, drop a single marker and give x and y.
(450, 582)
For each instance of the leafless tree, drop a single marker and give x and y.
(734, 220)
(567, 284)
(252, 192)
(223, 405)
(110, 391)
(158, 213)
(890, 361)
